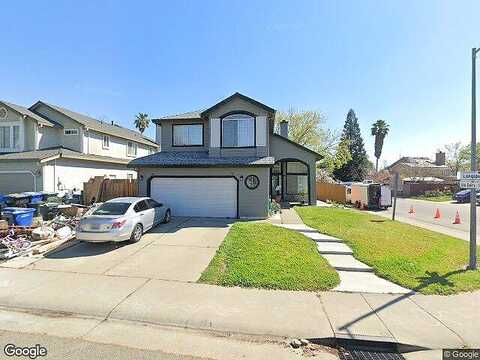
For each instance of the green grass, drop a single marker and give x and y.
(437, 198)
(416, 258)
(260, 255)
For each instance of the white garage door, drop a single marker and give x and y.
(206, 197)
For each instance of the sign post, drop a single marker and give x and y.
(395, 189)
(471, 180)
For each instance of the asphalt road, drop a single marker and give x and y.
(424, 212)
(78, 349)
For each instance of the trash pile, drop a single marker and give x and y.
(48, 224)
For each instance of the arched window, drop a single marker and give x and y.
(238, 130)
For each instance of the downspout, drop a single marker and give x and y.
(54, 174)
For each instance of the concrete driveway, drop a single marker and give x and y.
(177, 251)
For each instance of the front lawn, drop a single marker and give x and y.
(416, 258)
(260, 255)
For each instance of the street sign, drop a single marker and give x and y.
(469, 175)
(470, 184)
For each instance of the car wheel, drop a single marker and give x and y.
(136, 233)
(167, 217)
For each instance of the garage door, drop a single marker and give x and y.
(16, 182)
(205, 197)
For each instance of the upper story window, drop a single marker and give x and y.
(238, 130)
(132, 148)
(187, 135)
(9, 137)
(106, 142)
(70, 132)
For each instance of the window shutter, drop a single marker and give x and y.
(215, 133)
(261, 129)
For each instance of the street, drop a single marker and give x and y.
(69, 348)
(424, 212)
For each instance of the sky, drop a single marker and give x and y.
(407, 62)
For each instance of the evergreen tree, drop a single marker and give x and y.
(357, 167)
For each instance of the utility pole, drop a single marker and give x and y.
(473, 148)
(395, 189)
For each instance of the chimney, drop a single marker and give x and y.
(284, 128)
(440, 158)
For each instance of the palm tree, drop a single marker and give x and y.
(379, 130)
(142, 122)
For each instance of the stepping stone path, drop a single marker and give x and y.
(355, 276)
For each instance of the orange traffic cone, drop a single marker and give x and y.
(437, 214)
(457, 218)
(412, 210)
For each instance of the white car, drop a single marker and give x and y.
(122, 219)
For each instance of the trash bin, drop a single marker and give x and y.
(36, 206)
(48, 210)
(19, 216)
(35, 197)
(47, 194)
(16, 200)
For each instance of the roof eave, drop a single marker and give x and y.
(243, 97)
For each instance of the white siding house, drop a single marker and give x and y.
(46, 147)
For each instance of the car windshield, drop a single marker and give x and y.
(112, 208)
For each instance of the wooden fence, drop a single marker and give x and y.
(331, 192)
(99, 189)
(419, 188)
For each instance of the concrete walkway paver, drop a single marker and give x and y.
(359, 281)
(340, 257)
(335, 248)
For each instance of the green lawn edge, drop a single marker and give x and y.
(264, 256)
(415, 258)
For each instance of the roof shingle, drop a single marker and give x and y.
(24, 111)
(197, 159)
(100, 126)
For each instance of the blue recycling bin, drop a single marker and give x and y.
(19, 216)
(35, 197)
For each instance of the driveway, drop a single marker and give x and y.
(178, 251)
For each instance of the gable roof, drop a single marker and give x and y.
(98, 125)
(26, 112)
(417, 162)
(318, 155)
(198, 114)
(58, 152)
(241, 96)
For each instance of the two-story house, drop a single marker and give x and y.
(226, 161)
(46, 147)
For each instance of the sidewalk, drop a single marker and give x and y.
(427, 321)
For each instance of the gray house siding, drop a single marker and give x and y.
(282, 149)
(251, 203)
(237, 104)
(166, 135)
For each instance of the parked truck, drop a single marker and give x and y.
(371, 196)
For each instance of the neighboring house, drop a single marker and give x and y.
(420, 167)
(226, 161)
(49, 148)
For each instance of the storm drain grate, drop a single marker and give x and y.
(350, 349)
(352, 354)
